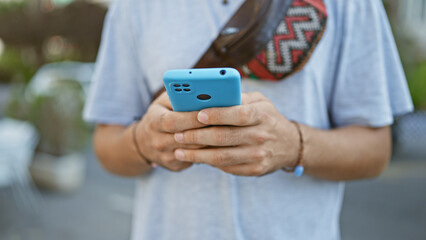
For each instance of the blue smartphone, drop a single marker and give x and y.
(196, 89)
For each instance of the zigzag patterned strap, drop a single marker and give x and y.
(293, 42)
(290, 46)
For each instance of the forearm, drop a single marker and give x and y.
(348, 153)
(116, 151)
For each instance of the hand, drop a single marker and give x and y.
(155, 133)
(252, 139)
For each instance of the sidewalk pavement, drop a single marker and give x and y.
(390, 207)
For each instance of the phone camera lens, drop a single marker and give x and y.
(222, 72)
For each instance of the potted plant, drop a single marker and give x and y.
(57, 115)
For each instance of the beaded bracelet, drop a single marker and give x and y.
(298, 169)
(136, 145)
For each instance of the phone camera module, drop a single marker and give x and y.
(222, 72)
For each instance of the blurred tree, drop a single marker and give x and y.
(38, 31)
(408, 19)
(80, 23)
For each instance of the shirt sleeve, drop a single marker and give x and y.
(370, 86)
(118, 93)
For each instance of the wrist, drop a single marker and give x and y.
(114, 149)
(296, 164)
(136, 147)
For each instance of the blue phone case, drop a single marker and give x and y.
(196, 89)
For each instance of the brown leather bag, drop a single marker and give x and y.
(245, 34)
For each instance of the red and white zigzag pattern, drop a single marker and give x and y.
(293, 41)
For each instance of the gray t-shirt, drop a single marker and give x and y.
(354, 76)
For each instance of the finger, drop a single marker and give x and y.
(251, 97)
(242, 115)
(246, 169)
(165, 142)
(163, 100)
(172, 122)
(189, 146)
(168, 161)
(219, 156)
(223, 136)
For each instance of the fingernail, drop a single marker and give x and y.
(154, 165)
(179, 137)
(179, 155)
(203, 117)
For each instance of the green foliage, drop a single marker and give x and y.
(18, 107)
(416, 77)
(14, 68)
(56, 114)
(11, 6)
(414, 62)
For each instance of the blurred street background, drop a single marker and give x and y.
(51, 186)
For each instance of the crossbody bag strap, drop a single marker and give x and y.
(244, 35)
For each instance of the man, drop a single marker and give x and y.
(341, 102)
